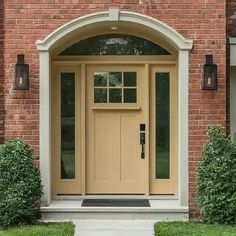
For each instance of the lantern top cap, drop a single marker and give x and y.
(209, 59)
(20, 59)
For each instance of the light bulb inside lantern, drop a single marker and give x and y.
(209, 81)
(20, 81)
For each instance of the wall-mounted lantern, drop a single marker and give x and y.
(21, 74)
(209, 74)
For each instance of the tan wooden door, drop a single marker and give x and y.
(116, 106)
(97, 112)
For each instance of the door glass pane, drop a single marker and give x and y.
(130, 96)
(130, 79)
(115, 87)
(67, 125)
(162, 126)
(115, 95)
(100, 79)
(100, 95)
(115, 79)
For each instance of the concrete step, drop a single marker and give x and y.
(72, 210)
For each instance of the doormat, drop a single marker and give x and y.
(115, 203)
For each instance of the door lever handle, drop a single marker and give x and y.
(142, 152)
(142, 142)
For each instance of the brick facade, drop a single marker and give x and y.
(2, 120)
(231, 18)
(231, 32)
(200, 20)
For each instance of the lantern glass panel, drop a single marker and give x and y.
(210, 77)
(22, 77)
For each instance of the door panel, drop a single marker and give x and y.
(114, 163)
(106, 141)
(129, 150)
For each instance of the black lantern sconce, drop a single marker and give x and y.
(21, 74)
(209, 74)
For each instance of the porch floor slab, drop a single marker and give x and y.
(168, 210)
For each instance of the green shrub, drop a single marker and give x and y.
(217, 178)
(20, 184)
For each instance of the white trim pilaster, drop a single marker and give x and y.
(45, 125)
(183, 113)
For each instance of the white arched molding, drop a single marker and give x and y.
(113, 15)
(166, 32)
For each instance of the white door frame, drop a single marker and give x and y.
(83, 24)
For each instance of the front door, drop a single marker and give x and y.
(116, 109)
(99, 114)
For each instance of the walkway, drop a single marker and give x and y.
(114, 227)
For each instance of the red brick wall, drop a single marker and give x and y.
(231, 23)
(1, 73)
(200, 20)
(231, 32)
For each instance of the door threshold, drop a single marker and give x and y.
(149, 197)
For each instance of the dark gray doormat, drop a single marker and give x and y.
(115, 203)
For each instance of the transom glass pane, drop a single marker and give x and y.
(100, 95)
(162, 126)
(114, 44)
(130, 79)
(115, 95)
(100, 79)
(67, 125)
(130, 96)
(115, 79)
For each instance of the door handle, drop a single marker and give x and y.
(142, 140)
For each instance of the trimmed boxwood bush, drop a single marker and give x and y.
(20, 184)
(217, 178)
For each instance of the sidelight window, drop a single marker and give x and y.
(162, 126)
(67, 125)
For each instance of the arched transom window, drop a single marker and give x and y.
(114, 44)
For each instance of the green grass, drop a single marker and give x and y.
(192, 229)
(50, 229)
